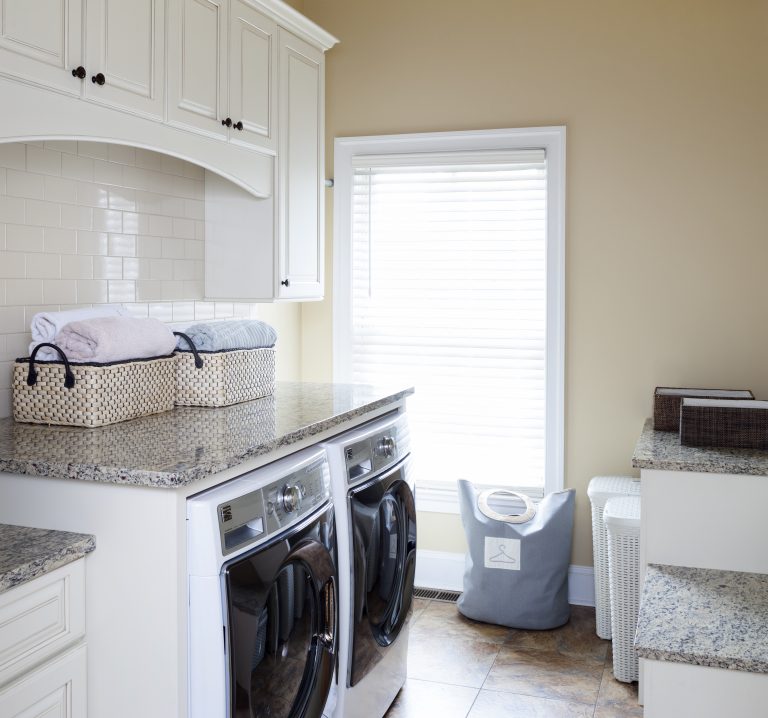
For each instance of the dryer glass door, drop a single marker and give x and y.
(383, 514)
(282, 618)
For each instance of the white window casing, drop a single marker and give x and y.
(449, 275)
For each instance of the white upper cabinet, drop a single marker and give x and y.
(223, 70)
(252, 76)
(197, 64)
(125, 54)
(41, 42)
(300, 166)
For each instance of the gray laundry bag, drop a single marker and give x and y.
(516, 571)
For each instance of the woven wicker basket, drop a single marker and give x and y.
(90, 395)
(724, 424)
(666, 403)
(223, 378)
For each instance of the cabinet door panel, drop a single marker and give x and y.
(42, 42)
(301, 160)
(197, 80)
(126, 44)
(252, 75)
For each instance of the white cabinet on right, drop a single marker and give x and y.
(300, 165)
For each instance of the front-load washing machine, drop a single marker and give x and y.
(373, 491)
(263, 593)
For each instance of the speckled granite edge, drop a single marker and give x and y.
(704, 617)
(27, 553)
(177, 473)
(662, 450)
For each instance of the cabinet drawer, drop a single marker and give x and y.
(40, 618)
(55, 690)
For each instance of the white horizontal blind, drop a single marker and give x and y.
(449, 294)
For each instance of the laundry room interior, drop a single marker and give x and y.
(365, 359)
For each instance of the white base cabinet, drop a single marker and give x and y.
(42, 646)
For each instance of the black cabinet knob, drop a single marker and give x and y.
(98, 79)
(286, 283)
(238, 125)
(79, 72)
(227, 122)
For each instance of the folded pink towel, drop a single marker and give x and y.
(110, 339)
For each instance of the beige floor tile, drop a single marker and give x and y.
(458, 661)
(575, 638)
(491, 704)
(616, 699)
(420, 698)
(444, 619)
(546, 674)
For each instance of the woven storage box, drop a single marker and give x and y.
(622, 522)
(600, 490)
(90, 395)
(666, 403)
(724, 423)
(223, 378)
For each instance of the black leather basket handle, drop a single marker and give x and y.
(198, 358)
(69, 377)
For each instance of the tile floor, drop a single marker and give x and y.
(458, 668)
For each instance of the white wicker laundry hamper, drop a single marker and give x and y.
(602, 488)
(622, 523)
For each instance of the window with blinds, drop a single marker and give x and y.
(448, 293)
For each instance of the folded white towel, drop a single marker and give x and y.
(46, 325)
(110, 339)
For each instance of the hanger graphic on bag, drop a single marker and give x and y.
(502, 556)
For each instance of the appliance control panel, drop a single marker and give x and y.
(295, 494)
(241, 520)
(377, 451)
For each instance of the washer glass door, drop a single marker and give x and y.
(282, 617)
(383, 514)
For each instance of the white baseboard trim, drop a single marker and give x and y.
(442, 569)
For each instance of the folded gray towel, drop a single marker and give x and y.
(110, 339)
(224, 335)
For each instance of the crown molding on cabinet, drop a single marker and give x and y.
(293, 20)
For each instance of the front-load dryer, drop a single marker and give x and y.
(263, 593)
(373, 491)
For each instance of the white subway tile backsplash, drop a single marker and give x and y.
(121, 290)
(173, 248)
(183, 228)
(12, 209)
(135, 268)
(16, 345)
(205, 311)
(76, 266)
(41, 213)
(43, 161)
(13, 156)
(76, 167)
(66, 146)
(149, 290)
(92, 195)
(92, 291)
(107, 220)
(122, 154)
(161, 269)
(76, 216)
(43, 266)
(107, 173)
(183, 311)
(23, 238)
(172, 290)
(96, 150)
(12, 265)
(131, 224)
(2, 292)
(149, 246)
(184, 269)
(122, 245)
(3, 173)
(122, 198)
(24, 184)
(59, 189)
(60, 291)
(194, 249)
(161, 310)
(148, 160)
(107, 268)
(160, 226)
(23, 291)
(11, 320)
(59, 241)
(92, 242)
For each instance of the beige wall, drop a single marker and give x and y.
(666, 105)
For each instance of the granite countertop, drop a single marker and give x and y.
(189, 443)
(705, 617)
(662, 450)
(26, 553)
